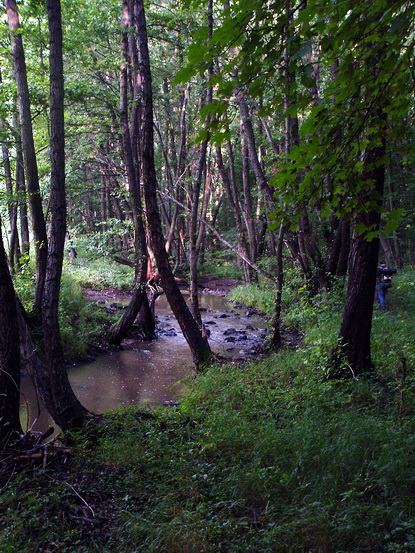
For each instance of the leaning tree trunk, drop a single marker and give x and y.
(9, 355)
(198, 344)
(248, 210)
(130, 136)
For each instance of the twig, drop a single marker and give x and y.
(221, 239)
(80, 497)
(40, 455)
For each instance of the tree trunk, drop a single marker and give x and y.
(276, 335)
(201, 239)
(55, 389)
(29, 155)
(198, 344)
(9, 355)
(14, 247)
(356, 322)
(130, 135)
(180, 159)
(193, 231)
(234, 207)
(21, 190)
(197, 182)
(247, 205)
(248, 130)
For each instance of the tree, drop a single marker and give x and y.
(50, 377)
(9, 355)
(337, 168)
(130, 125)
(198, 344)
(29, 154)
(60, 399)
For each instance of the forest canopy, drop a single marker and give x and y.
(273, 135)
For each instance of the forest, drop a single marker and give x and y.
(162, 149)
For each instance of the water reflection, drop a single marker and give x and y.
(148, 371)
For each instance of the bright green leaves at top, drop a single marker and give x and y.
(364, 54)
(365, 103)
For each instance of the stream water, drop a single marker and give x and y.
(153, 371)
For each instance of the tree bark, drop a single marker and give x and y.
(9, 355)
(130, 135)
(198, 344)
(356, 322)
(21, 190)
(14, 247)
(247, 205)
(234, 207)
(54, 387)
(29, 155)
(276, 326)
(197, 182)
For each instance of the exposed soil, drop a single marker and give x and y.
(208, 285)
(106, 295)
(218, 286)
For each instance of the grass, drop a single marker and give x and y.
(84, 325)
(267, 457)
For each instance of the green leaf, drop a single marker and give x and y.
(393, 218)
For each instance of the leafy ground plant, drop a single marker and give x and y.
(262, 457)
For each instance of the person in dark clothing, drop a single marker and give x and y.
(384, 279)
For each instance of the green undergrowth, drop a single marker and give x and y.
(265, 457)
(82, 324)
(100, 273)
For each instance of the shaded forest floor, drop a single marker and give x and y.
(269, 456)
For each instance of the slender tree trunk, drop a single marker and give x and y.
(234, 207)
(130, 135)
(248, 129)
(197, 343)
(14, 247)
(276, 335)
(193, 230)
(181, 162)
(197, 182)
(248, 206)
(21, 190)
(201, 239)
(55, 389)
(29, 155)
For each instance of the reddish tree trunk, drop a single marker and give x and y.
(197, 343)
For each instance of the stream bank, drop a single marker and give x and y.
(153, 372)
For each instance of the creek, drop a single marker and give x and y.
(152, 372)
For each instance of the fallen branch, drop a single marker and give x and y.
(222, 239)
(41, 454)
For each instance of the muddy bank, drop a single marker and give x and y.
(232, 328)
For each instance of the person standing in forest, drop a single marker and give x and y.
(384, 280)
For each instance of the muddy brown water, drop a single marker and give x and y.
(152, 372)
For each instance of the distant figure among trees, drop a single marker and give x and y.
(384, 279)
